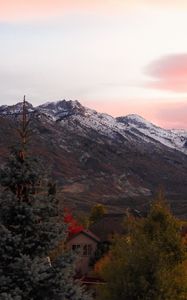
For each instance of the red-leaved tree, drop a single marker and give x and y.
(73, 226)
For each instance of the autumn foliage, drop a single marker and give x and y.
(73, 226)
(149, 262)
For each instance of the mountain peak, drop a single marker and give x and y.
(61, 104)
(61, 108)
(124, 127)
(134, 119)
(15, 108)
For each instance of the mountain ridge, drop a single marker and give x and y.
(95, 157)
(176, 139)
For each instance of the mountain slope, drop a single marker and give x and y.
(97, 158)
(175, 139)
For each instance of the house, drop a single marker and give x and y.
(85, 243)
(93, 243)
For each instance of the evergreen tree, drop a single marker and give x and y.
(30, 230)
(149, 262)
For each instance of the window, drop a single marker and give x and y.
(87, 250)
(76, 247)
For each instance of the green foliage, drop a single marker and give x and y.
(97, 212)
(149, 262)
(30, 230)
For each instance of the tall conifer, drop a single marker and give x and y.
(30, 230)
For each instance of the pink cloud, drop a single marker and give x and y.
(21, 10)
(18, 10)
(169, 73)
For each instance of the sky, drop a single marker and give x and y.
(116, 56)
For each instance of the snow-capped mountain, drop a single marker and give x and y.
(113, 127)
(98, 158)
(73, 112)
(15, 109)
(60, 109)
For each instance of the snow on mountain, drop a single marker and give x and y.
(115, 127)
(60, 109)
(15, 109)
(100, 123)
(73, 114)
(175, 139)
(76, 117)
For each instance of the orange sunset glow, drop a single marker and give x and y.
(118, 57)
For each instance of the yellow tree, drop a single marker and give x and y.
(149, 263)
(97, 212)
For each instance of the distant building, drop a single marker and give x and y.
(85, 243)
(89, 243)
